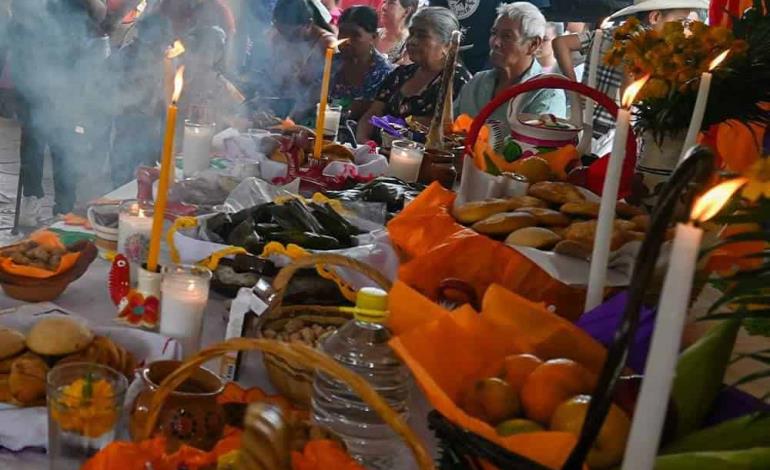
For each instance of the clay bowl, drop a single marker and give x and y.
(29, 289)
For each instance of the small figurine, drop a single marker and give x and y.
(134, 308)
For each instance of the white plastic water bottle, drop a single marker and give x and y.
(361, 345)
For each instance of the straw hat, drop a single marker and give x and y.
(640, 6)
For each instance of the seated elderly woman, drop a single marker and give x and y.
(413, 90)
(514, 41)
(359, 68)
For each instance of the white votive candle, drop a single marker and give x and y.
(405, 160)
(184, 295)
(134, 231)
(196, 147)
(331, 121)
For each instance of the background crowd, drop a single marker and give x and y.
(89, 79)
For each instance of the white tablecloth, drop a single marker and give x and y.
(89, 298)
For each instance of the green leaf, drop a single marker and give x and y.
(758, 327)
(752, 377)
(512, 151)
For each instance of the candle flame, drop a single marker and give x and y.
(718, 60)
(175, 50)
(178, 84)
(712, 201)
(633, 89)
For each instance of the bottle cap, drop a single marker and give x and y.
(371, 305)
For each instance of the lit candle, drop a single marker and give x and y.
(696, 121)
(184, 295)
(166, 166)
(405, 160)
(320, 118)
(588, 112)
(597, 277)
(196, 147)
(134, 231)
(650, 413)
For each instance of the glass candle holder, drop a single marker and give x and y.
(85, 402)
(405, 160)
(184, 295)
(196, 147)
(331, 121)
(134, 232)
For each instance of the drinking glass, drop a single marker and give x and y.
(85, 402)
(331, 121)
(184, 295)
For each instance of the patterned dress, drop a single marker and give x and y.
(344, 92)
(421, 104)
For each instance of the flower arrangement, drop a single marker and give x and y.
(676, 57)
(86, 407)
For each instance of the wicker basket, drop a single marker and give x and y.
(296, 353)
(292, 379)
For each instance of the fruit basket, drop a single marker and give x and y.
(303, 323)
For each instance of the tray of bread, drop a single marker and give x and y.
(554, 225)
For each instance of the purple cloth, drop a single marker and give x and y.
(601, 324)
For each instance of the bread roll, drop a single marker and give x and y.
(504, 223)
(518, 202)
(338, 152)
(547, 217)
(473, 211)
(584, 233)
(106, 352)
(534, 237)
(58, 335)
(556, 192)
(641, 222)
(627, 211)
(581, 209)
(11, 342)
(27, 379)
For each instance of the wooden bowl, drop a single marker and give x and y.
(31, 289)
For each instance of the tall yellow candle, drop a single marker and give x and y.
(166, 166)
(319, 125)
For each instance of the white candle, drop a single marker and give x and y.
(405, 160)
(332, 122)
(134, 231)
(184, 295)
(597, 276)
(696, 120)
(650, 412)
(196, 147)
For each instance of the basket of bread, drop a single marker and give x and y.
(308, 324)
(40, 268)
(25, 359)
(553, 216)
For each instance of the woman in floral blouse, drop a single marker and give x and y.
(413, 90)
(359, 68)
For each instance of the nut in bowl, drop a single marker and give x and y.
(40, 268)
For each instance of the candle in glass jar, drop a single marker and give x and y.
(184, 295)
(134, 231)
(196, 147)
(331, 122)
(405, 160)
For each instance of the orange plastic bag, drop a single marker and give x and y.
(473, 344)
(44, 238)
(436, 247)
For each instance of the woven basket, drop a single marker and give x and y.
(296, 353)
(292, 379)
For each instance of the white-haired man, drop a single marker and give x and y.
(516, 36)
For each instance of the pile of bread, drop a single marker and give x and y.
(552, 216)
(25, 360)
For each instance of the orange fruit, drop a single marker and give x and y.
(517, 367)
(535, 169)
(491, 400)
(610, 444)
(552, 383)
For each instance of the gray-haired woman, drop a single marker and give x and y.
(413, 90)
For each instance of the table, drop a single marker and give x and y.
(89, 297)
